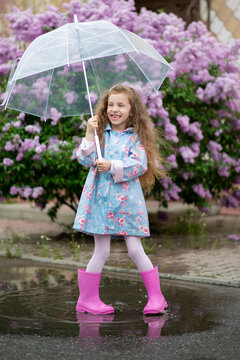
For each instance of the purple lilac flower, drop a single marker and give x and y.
(36, 157)
(71, 97)
(40, 149)
(234, 237)
(171, 190)
(55, 116)
(17, 139)
(194, 129)
(202, 77)
(53, 148)
(77, 67)
(224, 171)
(16, 124)
(183, 122)
(217, 133)
(214, 149)
(200, 93)
(25, 191)
(8, 51)
(237, 166)
(6, 127)
(203, 193)
(195, 148)
(20, 156)
(9, 146)
(165, 182)
(33, 129)
(215, 123)
(37, 191)
(232, 201)
(93, 97)
(185, 175)
(5, 69)
(20, 89)
(24, 24)
(8, 162)
(51, 18)
(40, 89)
(188, 154)
(172, 163)
(122, 13)
(119, 63)
(21, 116)
(171, 132)
(14, 190)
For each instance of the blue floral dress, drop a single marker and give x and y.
(112, 202)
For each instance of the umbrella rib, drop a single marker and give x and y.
(24, 60)
(128, 40)
(154, 50)
(67, 45)
(102, 34)
(50, 82)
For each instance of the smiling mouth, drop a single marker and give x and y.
(115, 117)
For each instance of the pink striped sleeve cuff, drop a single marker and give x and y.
(117, 171)
(87, 147)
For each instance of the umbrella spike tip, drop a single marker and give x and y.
(75, 18)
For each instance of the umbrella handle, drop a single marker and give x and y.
(98, 146)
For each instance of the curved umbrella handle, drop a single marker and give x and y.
(9, 85)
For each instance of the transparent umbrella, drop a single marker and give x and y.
(69, 68)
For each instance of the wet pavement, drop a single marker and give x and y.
(38, 318)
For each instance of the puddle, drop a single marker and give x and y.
(41, 301)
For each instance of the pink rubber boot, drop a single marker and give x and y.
(89, 300)
(156, 302)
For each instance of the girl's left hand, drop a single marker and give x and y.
(103, 165)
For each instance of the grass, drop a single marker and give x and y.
(14, 244)
(190, 225)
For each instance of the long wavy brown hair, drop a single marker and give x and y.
(148, 135)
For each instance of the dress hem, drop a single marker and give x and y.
(114, 233)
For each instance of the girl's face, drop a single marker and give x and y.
(118, 111)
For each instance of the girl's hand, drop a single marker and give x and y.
(103, 165)
(91, 126)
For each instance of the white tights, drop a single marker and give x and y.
(102, 251)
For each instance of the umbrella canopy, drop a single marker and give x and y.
(61, 69)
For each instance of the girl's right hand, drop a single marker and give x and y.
(92, 124)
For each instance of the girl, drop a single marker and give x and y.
(112, 201)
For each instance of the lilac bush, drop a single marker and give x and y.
(198, 110)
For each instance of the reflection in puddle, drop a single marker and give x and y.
(42, 301)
